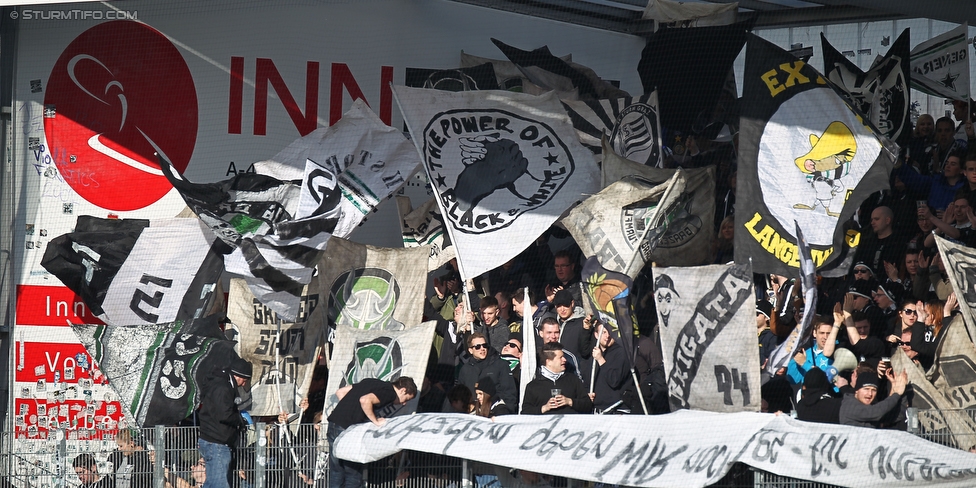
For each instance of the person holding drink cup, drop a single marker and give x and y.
(553, 391)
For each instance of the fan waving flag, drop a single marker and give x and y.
(157, 370)
(780, 357)
(940, 66)
(805, 157)
(609, 296)
(882, 92)
(708, 335)
(504, 165)
(137, 272)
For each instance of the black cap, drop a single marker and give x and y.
(563, 297)
(863, 288)
(764, 307)
(241, 367)
(486, 385)
(864, 380)
(816, 379)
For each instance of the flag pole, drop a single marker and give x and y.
(440, 205)
(640, 394)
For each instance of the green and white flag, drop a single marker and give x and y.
(368, 287)
(382, 354)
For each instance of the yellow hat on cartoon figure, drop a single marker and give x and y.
(837, 141)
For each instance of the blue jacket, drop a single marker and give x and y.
(795, 372)
(940, 192)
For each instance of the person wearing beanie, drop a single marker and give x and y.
(818, 403)
(489, 403)
(856, 409)
(220, 420)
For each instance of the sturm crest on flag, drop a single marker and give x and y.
(157, 369)
(960, 266)
(632, 126)
(382, 354)
(621, 225)
(283, 354)
(940, 66)
(366, 287)
(137, 272)
(882, 92)
(708, 335)
(504, 166)
(804, 157)
(686, 240)
(424, 226)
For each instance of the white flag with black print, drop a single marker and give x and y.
(940, 66)
(138, 272)
(687, 239)
(424, 226)
(381, 354)
(631, 125)
(960, 265)
(283, 353)
(707, 319)
(504, 165)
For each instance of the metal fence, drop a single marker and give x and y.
(270, 457)
(934, 425)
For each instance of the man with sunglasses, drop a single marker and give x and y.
(484, 362)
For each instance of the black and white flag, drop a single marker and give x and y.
(940, 66)
(687, 238)
(283, 353)
(632, 126)
(424, 226)
(805, 157)
(882, 92)
(548, 72)
(157, 370)
(707, 322)
(504, 166)
(780, 357)
(960, 266)
(138, 272)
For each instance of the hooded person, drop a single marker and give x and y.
(221, 421)
(818, 403)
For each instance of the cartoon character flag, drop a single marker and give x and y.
(708, 336)
(805, 157)
(504, 165)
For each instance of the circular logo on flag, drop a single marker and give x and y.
(510, 165)
(119, 93)
(634, 134)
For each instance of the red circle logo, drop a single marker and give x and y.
(120, 92)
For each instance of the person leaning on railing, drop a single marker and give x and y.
(87, 470)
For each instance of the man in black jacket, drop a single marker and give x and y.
(818, 403)
(486, 363)
(613, 376)
(554, 392)
(220, 420)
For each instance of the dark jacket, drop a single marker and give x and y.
(539, 391)
(493, 367)
(612, 379)
(818, 406)
(220, 421)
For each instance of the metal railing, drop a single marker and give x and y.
(934, 425)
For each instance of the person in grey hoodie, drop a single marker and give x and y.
(856, 409)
